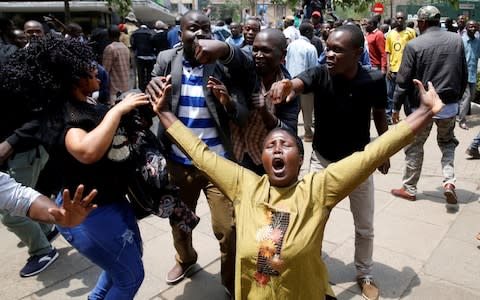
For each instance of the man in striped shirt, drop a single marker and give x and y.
(197, 107)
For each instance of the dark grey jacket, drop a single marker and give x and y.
(437, 56)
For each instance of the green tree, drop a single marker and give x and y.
(229, 8)
(121, 7)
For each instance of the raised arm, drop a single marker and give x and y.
(344, 176)
(286, 89)
(20, 200)
(225, 174)
(70, 214)
(89, 147)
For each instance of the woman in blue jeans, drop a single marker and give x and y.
(55, 77)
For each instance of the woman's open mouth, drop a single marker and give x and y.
(278, 165)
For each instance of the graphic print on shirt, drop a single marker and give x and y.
(270, 241)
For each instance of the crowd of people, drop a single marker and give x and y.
(228, 98)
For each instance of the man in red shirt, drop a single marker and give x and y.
(376, 46)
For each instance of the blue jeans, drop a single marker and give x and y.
(390, 91)
(110, 238)
(476, 142)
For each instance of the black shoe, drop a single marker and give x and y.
(53, 234)
(38, 263)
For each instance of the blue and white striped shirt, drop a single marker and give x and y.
(193, 112)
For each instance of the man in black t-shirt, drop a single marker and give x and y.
(345, 96)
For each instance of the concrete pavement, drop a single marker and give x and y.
(422, 250)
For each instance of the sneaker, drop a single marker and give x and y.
(38, 263)
(473, 153)
(178, 272)
(53, 234)
(368, 288)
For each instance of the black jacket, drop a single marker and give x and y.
(437, 56)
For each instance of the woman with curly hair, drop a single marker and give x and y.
(55, 77)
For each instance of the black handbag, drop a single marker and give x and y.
(149, 188)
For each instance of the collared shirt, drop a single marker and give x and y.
(116, 60)
(472, 54)
(249, 138)
(306, 205)
(291, 33)
(301, 55)
(14, 197)
(238, 41)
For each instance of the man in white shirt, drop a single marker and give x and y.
(290, 32)
(302, 55)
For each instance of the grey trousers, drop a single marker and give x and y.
(306, 101)
(25, 168)
(414, 153)
(466, 100)
(362, 206)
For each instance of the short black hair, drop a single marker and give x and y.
(305, 28)
(356, 34)
(191, 12)
(113, 32)
(373, 21)
(298, 140)
(278, 37)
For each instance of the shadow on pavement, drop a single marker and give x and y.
(392, 283)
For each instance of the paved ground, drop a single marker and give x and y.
(422, 251)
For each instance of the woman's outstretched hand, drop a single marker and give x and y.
(73, 212)
(429, 99)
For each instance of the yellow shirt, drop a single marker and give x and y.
(285, 226)
(394, 45)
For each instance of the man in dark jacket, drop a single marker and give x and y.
(437, 56)
(190, 69)
(141, 43)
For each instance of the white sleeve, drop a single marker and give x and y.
(14, 197)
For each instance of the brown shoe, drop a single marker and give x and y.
(368, 287)
(402, 193)
(450, 194)
(178, 272)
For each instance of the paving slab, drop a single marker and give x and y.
(411, 237)
(456, 261)
(426, 287)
